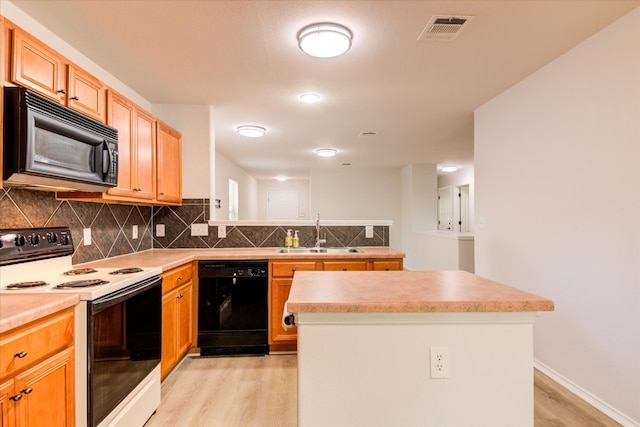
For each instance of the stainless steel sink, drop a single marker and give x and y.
(346, 250)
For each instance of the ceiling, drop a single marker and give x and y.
(242, 58)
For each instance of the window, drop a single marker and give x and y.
(233, 200)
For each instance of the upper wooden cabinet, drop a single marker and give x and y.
(169, 164)
(37, 67)
(136, 148)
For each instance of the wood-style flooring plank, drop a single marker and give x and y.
(261, 391)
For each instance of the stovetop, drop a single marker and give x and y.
(44, 255)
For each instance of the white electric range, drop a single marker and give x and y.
(123, 304)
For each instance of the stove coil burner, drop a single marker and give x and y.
(27, 285)
(127, 270)
(81, 284)
(80, 271)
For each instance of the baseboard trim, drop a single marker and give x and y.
(586, 396)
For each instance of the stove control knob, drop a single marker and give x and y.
(64, 239)
(20, 240)
(52, 237)
(34, 239)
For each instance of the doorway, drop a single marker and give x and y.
(282, 205)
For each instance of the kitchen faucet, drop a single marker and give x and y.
(318, 239)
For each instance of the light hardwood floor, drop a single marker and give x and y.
(261, 391)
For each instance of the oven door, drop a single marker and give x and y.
(124, 344)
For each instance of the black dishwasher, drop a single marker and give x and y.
(232, 307)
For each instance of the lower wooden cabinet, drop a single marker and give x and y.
(177, 317)
(281, 277)
(38, 389)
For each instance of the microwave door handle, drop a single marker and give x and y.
(106, 158)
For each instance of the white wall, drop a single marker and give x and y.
(247, 189)
(193, 123)
(299, 185)
(358, 194)
(557, 174)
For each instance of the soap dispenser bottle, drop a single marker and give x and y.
(288, 240)
(296, 239)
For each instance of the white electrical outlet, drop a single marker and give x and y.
(159, 230)
(368, 231)
(87, 236)
(439, 362)
(134, 231)
(222, 231)
(200, 229)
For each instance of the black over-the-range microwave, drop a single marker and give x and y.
(51, 147)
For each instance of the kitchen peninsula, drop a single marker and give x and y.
(444, 348)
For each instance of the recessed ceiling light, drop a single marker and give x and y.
(251, 131)
(326, 152)
(281, 178)
(324, 40)
(449, 168)
(310, 98)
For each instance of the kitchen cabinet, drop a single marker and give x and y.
(4, 48)
(168, 164)
(37, 372)
(280, 279)
(41, 69)
(177, 316)
(281, 276)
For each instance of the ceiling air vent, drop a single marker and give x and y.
(369, 134)
(444, 28)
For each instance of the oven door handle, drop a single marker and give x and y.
(117, 297)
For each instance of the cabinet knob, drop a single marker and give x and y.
(344, 269)
(27, 390)
(386, 269)
(161, 193)
(75, 98)
(293, 269)
(180, 277)
(16, 397)
(62, 91)
(21, 355)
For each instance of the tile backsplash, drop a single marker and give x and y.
(112, 226)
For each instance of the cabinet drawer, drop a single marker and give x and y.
(286, 269)
(345, 265)
(35, 341)
(386, 265)
(176, 277)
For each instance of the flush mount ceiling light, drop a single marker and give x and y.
(281, 178)
(324, 40)
(326, 152)
(310, 98)
(251, 131)
(449, 168)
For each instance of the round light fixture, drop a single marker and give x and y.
(310, 98)
(449, 168)
(251, 131)
(324, 40)
(281, 178)
(326, 152)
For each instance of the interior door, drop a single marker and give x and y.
(445, 216)
(282, 205)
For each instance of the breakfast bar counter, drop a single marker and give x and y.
(444, 348)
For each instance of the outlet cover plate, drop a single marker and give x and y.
(200, 229)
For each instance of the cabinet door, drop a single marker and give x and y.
(37, 67)
(7, 413)
(279, 294)
(344, 265)
(169, 322)
(144, 155)
(169, 164)
(120, 116)
(48, 392)
(387, 265)
(184, 301)
(86, 94)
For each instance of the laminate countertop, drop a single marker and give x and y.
(406, 292)
(17, 310)
(170, 258)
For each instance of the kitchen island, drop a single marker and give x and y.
(413, 348)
